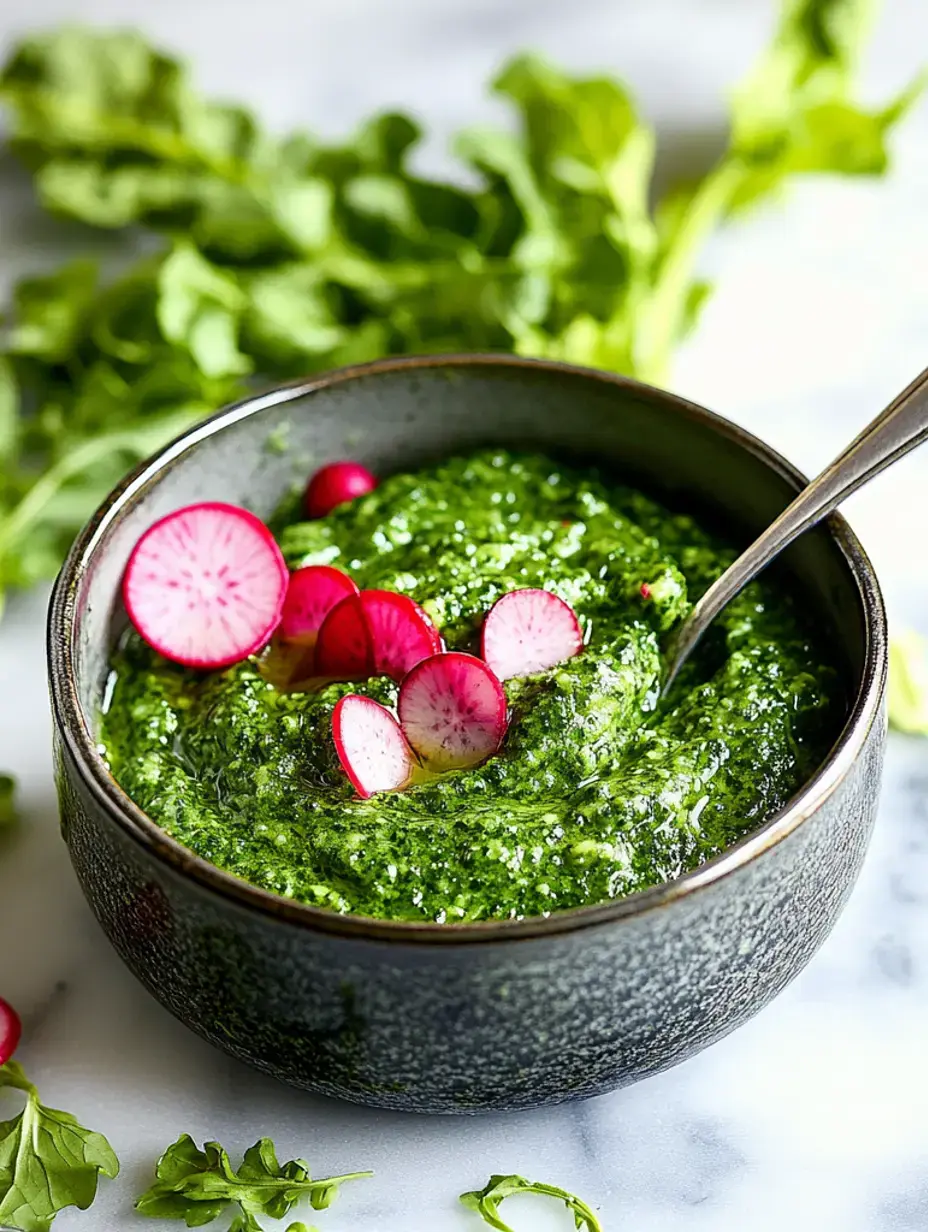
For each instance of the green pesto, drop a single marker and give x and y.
(597, 791)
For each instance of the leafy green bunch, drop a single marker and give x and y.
(276, 257)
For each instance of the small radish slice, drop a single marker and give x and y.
(376, 633)
(335, 484)
(452, 711)
(371, 746)
(401, 633)
(10, 1031)
(312, 592)
(205, 585)
(529, 631)
(343, 648)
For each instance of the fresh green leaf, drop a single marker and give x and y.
(288, 321)
(302, 208)
(50, 313)
(908, 683)
(8, 812)
(9, 410)
(200, 308)
(48, 1161)
(198, 1185)
(244, 1222)
(486, 1202)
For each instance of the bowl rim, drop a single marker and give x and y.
(137, 825)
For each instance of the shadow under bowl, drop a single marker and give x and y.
(494, 1015)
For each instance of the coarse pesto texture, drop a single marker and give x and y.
(598, 791)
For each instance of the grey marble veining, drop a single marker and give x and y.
(812, 1117)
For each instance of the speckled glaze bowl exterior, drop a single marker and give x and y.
(467, 1018)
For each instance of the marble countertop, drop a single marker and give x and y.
(812, 1116)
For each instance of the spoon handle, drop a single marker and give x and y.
(896, 430)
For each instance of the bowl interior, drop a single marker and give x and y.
(397, 414)
(395, 417)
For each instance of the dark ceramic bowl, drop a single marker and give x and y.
(465, 1018)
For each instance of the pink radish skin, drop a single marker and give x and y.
(343, 648)
(312, 592)
(401, 633)
(371, 747)
(10, 1031)
(529, 631)
(452, 711)
(378, 633)
(205, 585)
(335, 484)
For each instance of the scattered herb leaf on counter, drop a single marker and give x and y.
(281, 256)
(908, 683)
(48, 1161)
(198, 1185)
(9, 815)
(486, 1201)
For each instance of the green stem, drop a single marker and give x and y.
(308, 1186)
(48, 483)
(13, 1075)
(137, 441)
(574, 1204)
(663, 312)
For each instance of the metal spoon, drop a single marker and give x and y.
(902, 426)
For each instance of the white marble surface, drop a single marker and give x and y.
(813, 1116)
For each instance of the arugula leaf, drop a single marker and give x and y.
(486, 1202)
(49, 312)
(908, 683)
(198, 1185)
(48, 1161)
(247, 1223)
(284, 256)
(199, 309)
(123, 390)
(9, 815)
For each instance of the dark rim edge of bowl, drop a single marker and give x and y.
(134, 821)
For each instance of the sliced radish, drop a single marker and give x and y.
(312, 592)
(335, 484)
(401, 633)
(205, 585)
(452, 711)
(371, 746)
(343, 648)
(529, 631)
(10, 1031)
(377, 633)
